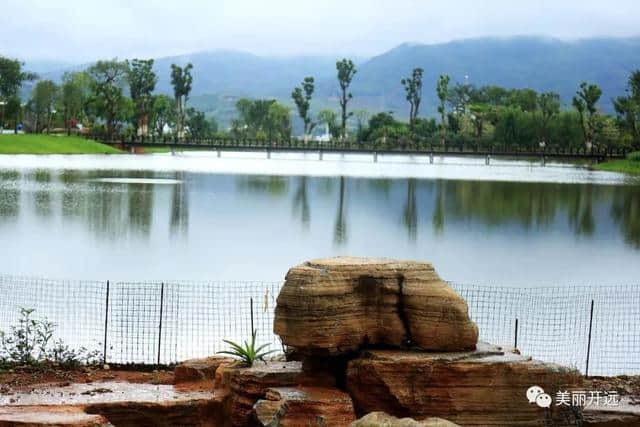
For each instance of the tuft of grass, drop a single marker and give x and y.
(51, 144)
(630, 165)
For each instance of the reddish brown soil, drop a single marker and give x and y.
(24, 378)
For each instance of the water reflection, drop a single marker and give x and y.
(272, 185)
(625, 210)
(179, 207)
(340, 227)
(205, 209)
(9, 195)
(42, 196)
(410, 216)
(301, 202)
(438, 209)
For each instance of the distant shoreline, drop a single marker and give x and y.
(52, 144)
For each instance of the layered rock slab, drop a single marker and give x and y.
(199, 369)
(240, 388)
(381, 419)
(304, 406)
(120, 403)
(43, 416)
(334, 306)
(485, 387)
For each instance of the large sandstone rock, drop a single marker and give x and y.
(381, 419)
(338, 305)
(485, 387)
(305, 406)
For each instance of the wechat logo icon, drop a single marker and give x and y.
(536, 394)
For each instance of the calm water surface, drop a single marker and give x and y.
(243, 217)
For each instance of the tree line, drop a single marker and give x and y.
(485, 116)
(97, 98)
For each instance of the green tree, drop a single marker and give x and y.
(162, 114)
(302, 98)
(362, 116)
(549, 107)
(279, 122)
(453, 123)
(628, 108)
(525, 99)
(11, 78)
(330, 119)
(459, 97)
(443, 92)
(44, 99)
(197, 124)
(480, 113)
(181, 79)
(107, 81)
(142, 81)
(263, 119)
(346, 71)
(585, 102)
(73, 97)
(413, 94)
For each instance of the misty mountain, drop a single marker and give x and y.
(521, 62)
(221, 77)
(241, 73)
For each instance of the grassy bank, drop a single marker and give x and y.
(630, 165)
(51, 144)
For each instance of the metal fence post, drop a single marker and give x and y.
(515, 341)
(106, 325)
(160, 323)
(251, 303)
(586, 370)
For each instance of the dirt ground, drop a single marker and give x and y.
(24, 378)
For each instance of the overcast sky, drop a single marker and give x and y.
(83, 30)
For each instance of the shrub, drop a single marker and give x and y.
(30, 343)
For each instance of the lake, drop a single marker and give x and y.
(206, 220)
(197, 216)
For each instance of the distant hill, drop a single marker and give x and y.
(520, 62)
(544, 64)
(240, 73)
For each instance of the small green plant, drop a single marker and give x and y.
(248, 353)
(30, 343)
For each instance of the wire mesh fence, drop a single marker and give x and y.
(592, 328)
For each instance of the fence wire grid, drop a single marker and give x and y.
(594, 329)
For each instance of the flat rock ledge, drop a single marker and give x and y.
(109, 403)
(334, 306)
(37, 416)
(485, 387)
(195, 370)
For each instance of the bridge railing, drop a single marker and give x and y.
(595, 329)
(389, 145)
